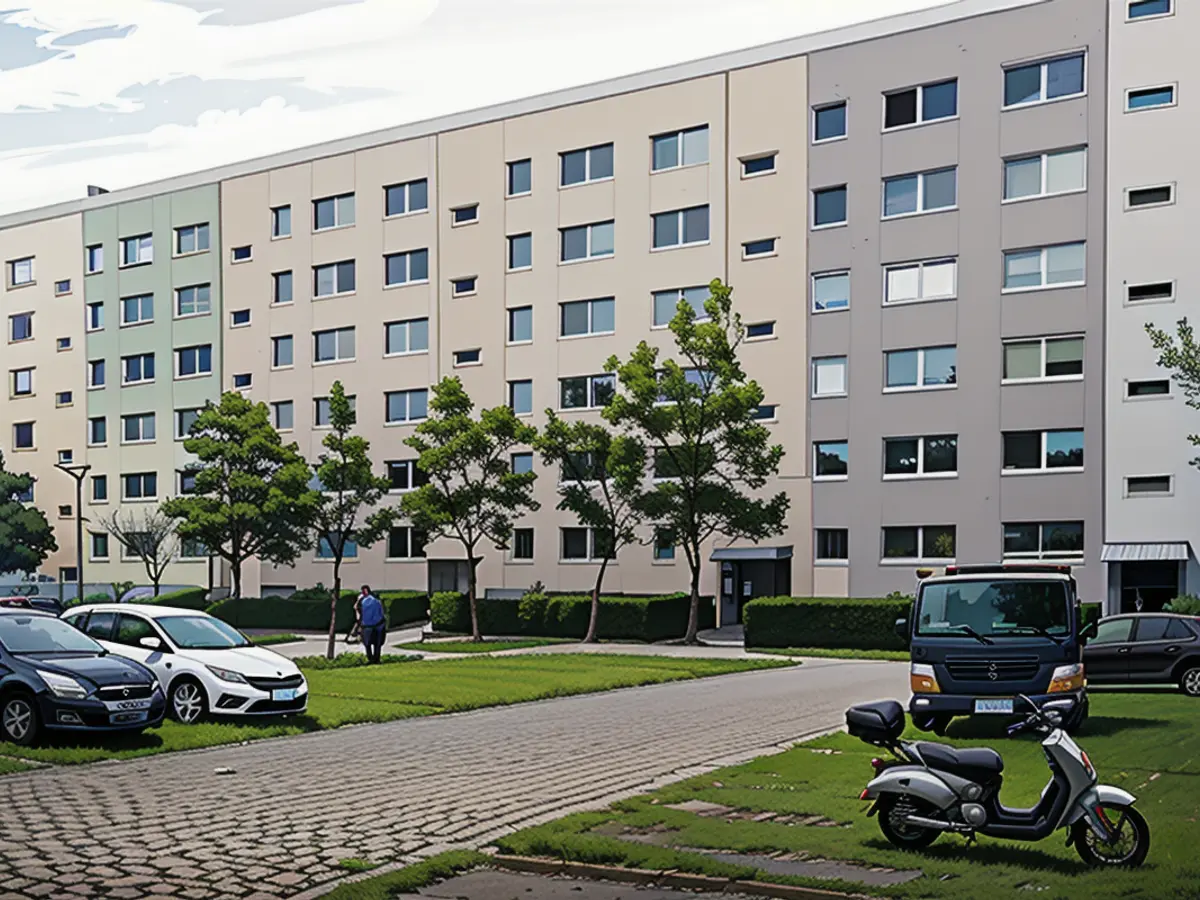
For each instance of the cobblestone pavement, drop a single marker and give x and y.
(278, 824)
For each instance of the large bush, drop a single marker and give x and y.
(308, 610)
(184, 598)
(1184, 604)
(861, 624)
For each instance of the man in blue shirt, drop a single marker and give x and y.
(374, 627)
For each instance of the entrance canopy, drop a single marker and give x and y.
(749, 554)
(1165, 552)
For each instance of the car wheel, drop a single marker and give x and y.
(1189, 681)
(187, 703)
(19, 719)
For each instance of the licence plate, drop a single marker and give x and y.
(127, 705)
(284, 694)
(994, 706)
(127, 717)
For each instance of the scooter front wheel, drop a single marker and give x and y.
(1130, 844)
(893, 811)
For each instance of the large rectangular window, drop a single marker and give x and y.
(681, 227)
(583, 545)
(333, 212)
(679, 148)
(831, 460)
(1043, 358)
(582, 317)
(935, 279)
(666, 304)
(829, 376)
(832, 544)
(586, 391)
(333, 278)
(406, 336)
(829, 206)
(333, 345)
(191, 361)
(194, 300)
(830, 291)
(1050, 79)
(137, 250)
(920, 192)
(137, 310)
(140, 486)
(922, 367)
(589, 164)
(919, 543)
(586, 241)
(1059, 265)
(406, 542)
(191, 239)
(1043, 451)
(934, 456)
(405, 475)
(406, 268)
(1043, 540)
(137, 428)
(401, 199)
(1045, 174)
(923, 103)
(137, 369)
(406, 406)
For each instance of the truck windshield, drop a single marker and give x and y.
(994, 608)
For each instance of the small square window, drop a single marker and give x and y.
(829, 206)
(63, 398)
(829, 122)
(20, 272)
(830, 291)
(66, 457)
(62, 287)
(64, 343)
(239, 317)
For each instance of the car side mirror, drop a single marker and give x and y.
(901, 628)
(151, 643)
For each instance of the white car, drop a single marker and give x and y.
(206, 666)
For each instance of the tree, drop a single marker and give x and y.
(699, 421)
(26, 538)
(1179, 354)
(472, 494)
(603, 478)
(252, 496)
(150, 537)
(349, 489)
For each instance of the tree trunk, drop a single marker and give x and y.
(693, 625)
(337, 593)
(156, 585)
(237, 580)
(591, 636)
(472, 562)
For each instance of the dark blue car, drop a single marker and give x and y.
(54, 677)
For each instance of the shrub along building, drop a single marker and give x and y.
(910, 212)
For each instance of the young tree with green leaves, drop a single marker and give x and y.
(349, 489)
(697, 417)
(603, 484)
(472, 495)
(252, 496)
(1179, 354)
(26, 538)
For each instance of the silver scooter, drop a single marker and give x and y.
(928, 789)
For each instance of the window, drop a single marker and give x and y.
(830, 290)
(520, 177)
(522, 543)
(919, 542)
(1041, 267)
(325, 548)
(191, 239)
(1157, 291)
(94, 259)
(283, 414)
(333, 212)
(95, 316)
(99, 488)
(926, 367)
(137, 369)
(1141, 9)
(136, 428)
(195, 300)
(461, 287)
(20, 272)
(664, 545)
(282, 351)
(1041, 81)
(1043, 540)
(833, 544)
(323, 411)
(928, 280)
(586, 241)
(405, 542)
(184, 420)
(1150, 98)
(763, 247)
(757, 330)
(333, 278)
(583, 545)
(96, 373)
(137, 250)
(831, 460)
(62, 287)
(406, 268)
(281, 222)
(239, 318)
(26, 495)
(666, 304)
(520, 251)
(140, 486)
(23, 436)
(404, 475)
(467, 357)
(406, 406)
(190, 548)
(914, 457)
(924, 103)
(758, 165)
(99, 545)
(1043, 358)
(336, 344)
(64, 343)
(829, 122)
(65, 510)
(1159, 195)
(829, 376)
(136, 310)
(589, 164)
(587, 391)
(406, 336)
(22, 382)
(920, 192)
(1148, 485)
(582, 317)
(410, 197)
(193, 361)
(679, 148)
(829, 206)
(520, 325)
(97, 431)
(520, 397)
(522, 463)
(1039, 451)
(242, 254)
(1045, 174)
(281, 288)
(242, 381)
(20, 327)
(681, 227)
(1159, 387)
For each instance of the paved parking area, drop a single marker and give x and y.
(277, 825)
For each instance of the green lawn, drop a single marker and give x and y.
(266, 640)
(406, 880)
(486, 646)
(342, 693)
(835, 653)
(1147, 743)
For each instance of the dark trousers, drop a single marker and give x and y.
(372, 637)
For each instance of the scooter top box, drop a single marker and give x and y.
(881, 722)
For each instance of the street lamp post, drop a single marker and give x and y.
(78, 472)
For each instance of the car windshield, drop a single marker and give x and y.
(993, 608)
(202, 633)
(42, 634)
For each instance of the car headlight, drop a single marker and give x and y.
(923, 680)
(227, 674)
(1066, 678)
(63, 685)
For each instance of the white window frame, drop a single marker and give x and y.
(388, 545)
(340, 202)
(277, 278)
(509, 326)
(679, 294)
(1043, 468)
(1042, 343)
(679, 214)
(821, 107)
(410, 465)
(921, 556)
(196, 233)
(591, 315)
(512, 239)
(462, 280)
(92, 369)
(144, 245)
(477, 361)
(409, 209)
(1158, 204)
(920, 119)
(408, 279)
(591, 391)
(96, 305)
(92, 540)
(591, 558)
(813, 225)
(338, 290)
(587, 165)
(920, 385)
(180, 434)
(141, 419)
(768, 336)
(15, 382)
(339, 338)
(276, 406)
(277, 233)
(141, 476)
(93, 259)
(97, 482)
(276, 343)
(921, 210)
(125, 369)
(1041, 540)
(407, 406)
(456, 222)
(1044, 165)
(773, 251)
(920, 473)
(511, 385)
(920, 266)
(1044, 63)
(12, 321)
(515, 560)
(816, 455)
(324, 421)
(817, 363)
(236, 260)
(199, 373)
(141, 307)
(25, 266)
(819, 560)
(821, 276)
(1129, 4)
(589, 229)
(407, 323)
(1045, 255)
(201, 306)
(91, 433)
(509, 168)
(679, 135)
(1142, 398)
(772, 155)
(1172, 86)
(1127, 494)
(233, 318)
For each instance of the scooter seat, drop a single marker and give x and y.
(978, 764)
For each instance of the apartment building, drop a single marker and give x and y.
(1151, 490)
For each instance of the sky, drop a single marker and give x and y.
(120, 92)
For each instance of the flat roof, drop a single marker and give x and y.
(712, 65)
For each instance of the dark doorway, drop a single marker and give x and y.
(448, 575)
(1153, 583)
(744, 580)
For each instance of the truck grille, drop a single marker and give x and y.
(274, 684)
(1011, 668)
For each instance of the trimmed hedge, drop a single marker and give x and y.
(185, 598)
(309, 610)
(860, 624)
